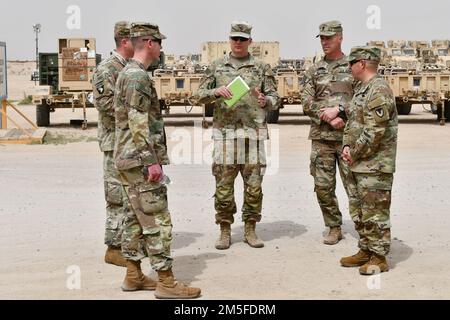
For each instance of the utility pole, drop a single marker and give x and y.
(37, 30)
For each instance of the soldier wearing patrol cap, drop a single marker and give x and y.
(370, 145)
(239, 133)
(328, 90)
(140, 152)
(104, 82)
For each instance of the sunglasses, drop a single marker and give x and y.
(353, 62)
(240, 39)
(159, 41)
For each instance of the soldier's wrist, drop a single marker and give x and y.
(342, 113)
(148, 158)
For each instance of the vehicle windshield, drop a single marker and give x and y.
(443, 52)
(408, 52)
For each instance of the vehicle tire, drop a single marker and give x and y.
(446, 106)
(162, 105)
(42, 115)
(272, 116)
(209, 110)
(433, 109)
(404, 108)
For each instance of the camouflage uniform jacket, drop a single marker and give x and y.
(105, 77)
(140, 134)
(326, 84)
(246, 115)
(371, 131)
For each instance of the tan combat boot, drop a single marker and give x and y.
(135, 280)
(224, 241)
(250, 235)
(169, 288)
(333, 236)
(114, 256)
(375, 265)
(356, 260)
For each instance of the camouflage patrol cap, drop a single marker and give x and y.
(330, 28)
(241, 29)
(142, 29)
(365, 53)
(122, 29)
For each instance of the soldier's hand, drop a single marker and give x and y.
(262, 100)
(223, 92)
(346, 156)
(155, 173)
(329, 114)
(337, 123)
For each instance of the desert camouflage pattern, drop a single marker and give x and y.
(330, 28)
(122, 29)
(239, 133)
(373, 221)
(326, 84)
(371, 53)
(105, 77)
(371, 134)
(104, 84)
(117, 204)
(324, 157)
(246, 116)
(232, 157)
(140, 142)
(140, 133)
(146, 29)
(147, 229)
(241, 29)
(371, 131)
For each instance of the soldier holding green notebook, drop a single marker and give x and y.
(240, 130)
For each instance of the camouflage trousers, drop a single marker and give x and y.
(116, 201)
(373, 219)
(147, 226)
(325, 156)
(232, 157)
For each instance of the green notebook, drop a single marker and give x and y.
(238, 88)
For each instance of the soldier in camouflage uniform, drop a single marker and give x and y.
(140, 152)
(370, 146)
(104, 81)
(328, 90)
(240, 132)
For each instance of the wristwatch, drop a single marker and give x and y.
(342, 113)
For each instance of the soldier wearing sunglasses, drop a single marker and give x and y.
(239, 133)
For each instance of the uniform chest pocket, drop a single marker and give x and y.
(320, 72)
(341, 87)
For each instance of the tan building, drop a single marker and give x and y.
(266, 51)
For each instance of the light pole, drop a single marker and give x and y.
(37, 29)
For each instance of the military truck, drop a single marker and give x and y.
(400, 57)
(267, 51)
(440, 49)
(176, 80)
(175, 87)
(288, 77)
(68, 75)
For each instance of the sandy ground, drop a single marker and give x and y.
(19, 80)
(52, 210)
